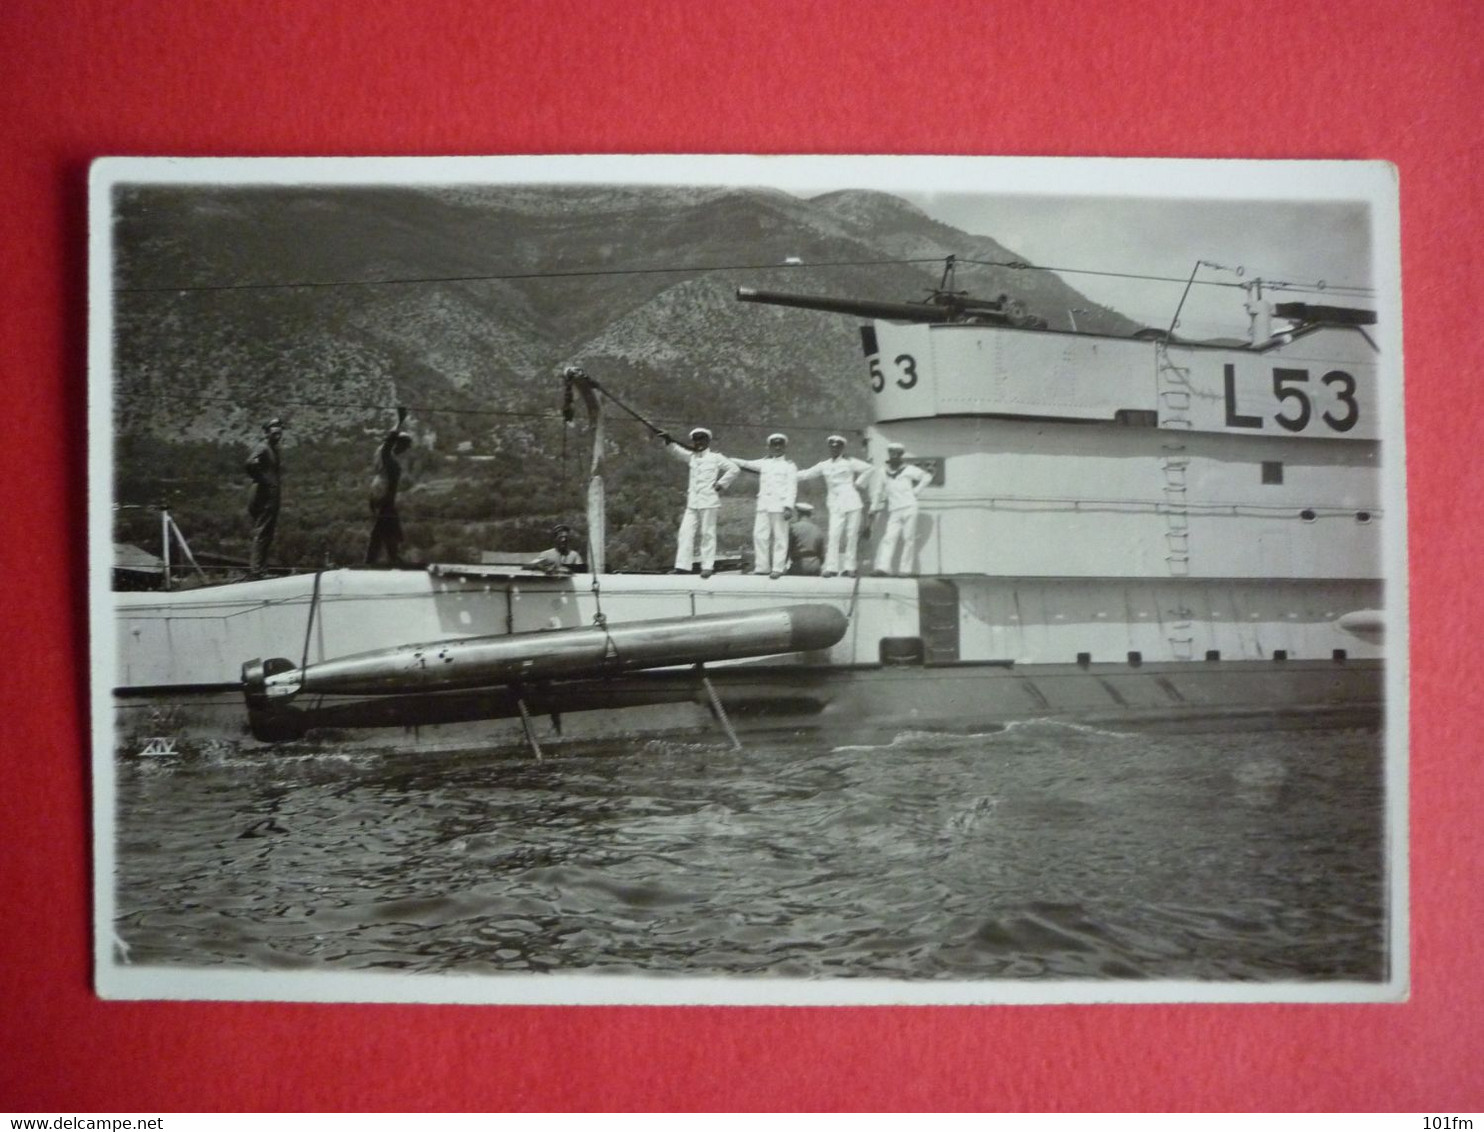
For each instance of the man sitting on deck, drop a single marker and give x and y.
(805, 541)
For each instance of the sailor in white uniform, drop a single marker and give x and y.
(777, 489)
(896, 488)
(710, 474)
(840, 473)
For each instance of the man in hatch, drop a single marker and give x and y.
(562, 558)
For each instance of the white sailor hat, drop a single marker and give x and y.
(895, 447)
(697, 433)
(778, 436)
(835, 439)
(804, 508)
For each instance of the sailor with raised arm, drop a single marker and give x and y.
(839, 473)
(386, 527)
(776, 492)
(711, 473)
(895, 489)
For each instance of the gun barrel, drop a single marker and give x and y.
(861, 308)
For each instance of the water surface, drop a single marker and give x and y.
(1043, 851)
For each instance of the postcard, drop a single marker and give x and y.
(723, 579)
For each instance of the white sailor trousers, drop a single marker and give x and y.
(901, 526)
(769, 542)
(705, 518)
(842, 540)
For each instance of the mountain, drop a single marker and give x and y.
(328, 306)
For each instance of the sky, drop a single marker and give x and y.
(1293, 241)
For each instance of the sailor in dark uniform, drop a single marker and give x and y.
(805, 541)
(265, 466)
(386, 526)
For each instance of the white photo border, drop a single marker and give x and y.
(1371, 182)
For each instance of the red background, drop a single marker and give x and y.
(1341, 79)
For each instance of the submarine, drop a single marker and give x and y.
(1115, 527)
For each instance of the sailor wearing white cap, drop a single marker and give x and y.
(896, 489)
(710, 474)
(839, 473)
(777, 488)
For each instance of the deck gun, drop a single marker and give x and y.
(944, 304)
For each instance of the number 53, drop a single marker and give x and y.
(1288, 387)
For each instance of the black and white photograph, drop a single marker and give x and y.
(721, 579)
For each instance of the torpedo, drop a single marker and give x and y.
(557, 654)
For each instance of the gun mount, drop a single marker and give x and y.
(1334, 316)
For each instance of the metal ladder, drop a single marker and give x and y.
(1174, 404)
(1174, 412)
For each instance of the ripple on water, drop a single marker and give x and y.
(1033, 851)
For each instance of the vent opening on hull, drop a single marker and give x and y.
(1280, 654)
(1213, 654)
(1135, 659)
(938, 612)
(1339, 656)
(901, 650)
(1084, 659)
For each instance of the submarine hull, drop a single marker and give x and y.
(843, 705)
(957, 653)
